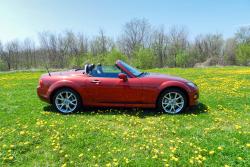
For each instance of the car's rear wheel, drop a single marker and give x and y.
(66, 101)
(172, 101)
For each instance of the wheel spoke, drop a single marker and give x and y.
(61, 106)
(72, 103)
(66, 102)
(60, 95)
(172, 102)
(70, 96)
(59, 98)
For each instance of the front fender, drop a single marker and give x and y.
(179, 84)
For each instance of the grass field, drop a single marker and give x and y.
(217, 133)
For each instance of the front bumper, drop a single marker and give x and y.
(193, 97)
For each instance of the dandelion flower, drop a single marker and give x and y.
(64, 165)
(108, 164)
(81, 155)
(22, 133)
(211, 152)
(220, 148)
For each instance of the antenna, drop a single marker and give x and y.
(48, 70)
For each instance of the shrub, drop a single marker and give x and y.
(144, 58)
(112, 56)
(243, 54)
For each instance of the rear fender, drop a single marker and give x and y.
(65, 83)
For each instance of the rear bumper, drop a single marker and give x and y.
(42, 94)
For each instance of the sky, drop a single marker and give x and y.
(20, 19)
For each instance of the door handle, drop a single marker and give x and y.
(96, 81)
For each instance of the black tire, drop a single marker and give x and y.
(75, 97)
(172, 91)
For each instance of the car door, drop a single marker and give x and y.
(105, 90)
(107, 87)
(114, 90)
(132, 91)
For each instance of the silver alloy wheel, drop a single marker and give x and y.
(172, 102)
(66, 102)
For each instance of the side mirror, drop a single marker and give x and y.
(123, 77)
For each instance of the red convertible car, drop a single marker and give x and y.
(116, 86)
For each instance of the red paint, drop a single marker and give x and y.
(108, 92)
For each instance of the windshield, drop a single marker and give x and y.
(133, 70)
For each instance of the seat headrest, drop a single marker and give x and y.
(86, 68)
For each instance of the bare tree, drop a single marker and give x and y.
(243, 35)
(209, 47)
(49, 44)
(82, 44)
(101, 44)
(160, 45)
(28, 52)
(178, 41)
(135, 34)
(1, 49)
(12, 56)
(229, 51)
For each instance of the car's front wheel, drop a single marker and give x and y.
(172, 101)
(66, 101)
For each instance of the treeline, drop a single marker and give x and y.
(139, 44)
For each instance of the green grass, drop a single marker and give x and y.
(217, 133)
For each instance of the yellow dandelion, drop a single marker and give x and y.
(226, 166)
(248, 145)
(155, 156)
(22, 133)
(237, 126)
(64, 165)
(115, 163)
(11, 158)
(220, 148)
(199, 161)
(240, 158)
(174, 158)
(108, 164)
(81, 155)
(211, 152)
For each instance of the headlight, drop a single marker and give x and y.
(191, 84)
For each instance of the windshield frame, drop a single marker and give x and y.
(129, 69)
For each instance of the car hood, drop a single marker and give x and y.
(165, 77)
